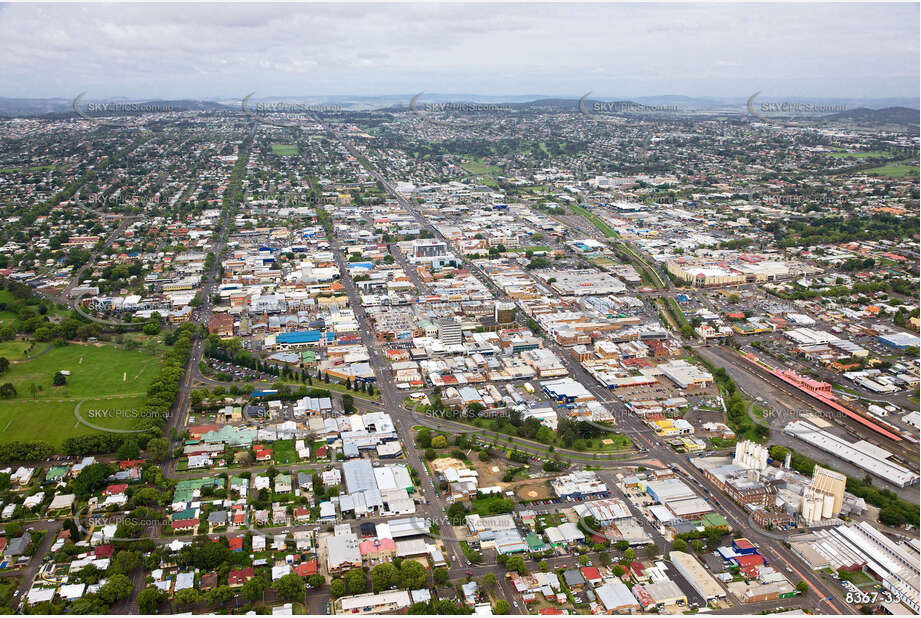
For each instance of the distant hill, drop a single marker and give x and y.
(59, 108)
(33, 107)
(889, 115)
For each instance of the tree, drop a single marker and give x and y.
(150, 598)
(4, 364)
(337, 588)
(356, 581)
(59, 379)
(802, 587)
(157, 449)
(629, 554)
(126, 562)
(501, 607)
(252, 590)
(516, 563)
(128, 450)
(439, 442)
(220, 595)
(489, 581)
(7, 390)
(383, 576)
(440, 576)
(619, 570)
(116, 588)
(456, 513)
(424, 438)
(413, 575)
(679, 545)
(186, 597)
(88, 604)
(316, 581)
(290, 587)
(93, 477)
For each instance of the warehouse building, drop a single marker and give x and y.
(697, 576)
(862, 454)
(616, 597)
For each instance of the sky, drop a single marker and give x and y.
(172, 51)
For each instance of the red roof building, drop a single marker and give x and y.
(197, 431)
(235, 543)
(114, 490)
(591, 574)
(104, 551)
(186, 524)
(306, 569)
(240, 577)
(748, 560)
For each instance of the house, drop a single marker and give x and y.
(104, 551)
(217, 518)
(592, 575)
(279, 515)
(208, 581)
(184, 581)
(235, 544)
(573, 578)
(114, 490)
(185, 525)
(283, 484)
(301, 514)
(306, 569)
(241, 576)
(196, 462)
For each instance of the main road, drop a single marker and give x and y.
(627, 422)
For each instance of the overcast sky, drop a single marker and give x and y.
(227, 51)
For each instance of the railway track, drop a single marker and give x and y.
(904, 450)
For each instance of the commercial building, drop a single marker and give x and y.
(342, 553)
(862, 454)
(449, 331)
(616, 597)
(383, 602)
(697, 576)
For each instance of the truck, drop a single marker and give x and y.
(529, 388)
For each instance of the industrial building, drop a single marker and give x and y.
(697, 576)
(824, 497)
(862, 454)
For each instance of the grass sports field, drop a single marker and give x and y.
(877, 154)
(284, 150)
(112, 381)
(16, 350)
(894, 170)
